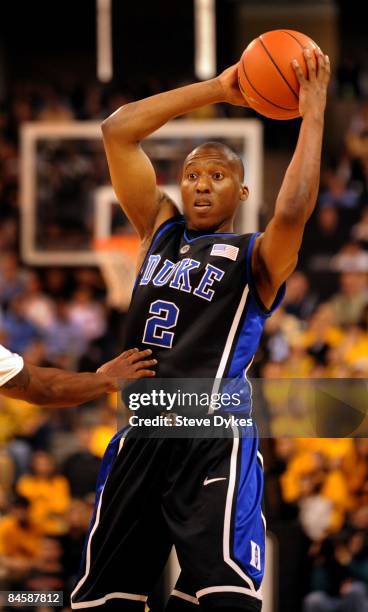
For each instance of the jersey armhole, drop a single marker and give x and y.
(161, 230)
(263, 311)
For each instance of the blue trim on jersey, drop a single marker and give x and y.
(107, 461)
(106, 465)
(249, 334)
(248, 339)
(245, 348)
(248, 525)
(187, 239)
(265, 312)
(160, 230)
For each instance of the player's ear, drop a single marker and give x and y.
(244, 193)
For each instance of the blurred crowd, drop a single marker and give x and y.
(321, 331)
(59, 317)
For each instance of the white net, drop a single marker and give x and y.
(118, 273)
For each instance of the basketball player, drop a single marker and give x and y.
(201, 299)
(53, 387)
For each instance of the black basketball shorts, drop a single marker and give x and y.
(202, 495)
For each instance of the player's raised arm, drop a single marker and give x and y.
(276, 251)
(132, 173)
(53, 387)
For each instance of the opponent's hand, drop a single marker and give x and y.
(130, 364)
(313, 89)
(230, 86)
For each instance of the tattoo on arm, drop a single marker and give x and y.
(20, 381)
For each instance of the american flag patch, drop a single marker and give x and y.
(225, 250)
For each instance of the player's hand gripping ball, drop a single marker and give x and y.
(266, 75)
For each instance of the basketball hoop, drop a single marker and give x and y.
(116, 257)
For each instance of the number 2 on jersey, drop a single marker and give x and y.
(165, 317)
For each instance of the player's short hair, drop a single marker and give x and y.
(224, 150)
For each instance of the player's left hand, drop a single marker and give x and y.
(229, 82)
(313, 89)
(130, 364)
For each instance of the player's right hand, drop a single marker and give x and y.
(229, 82)
(130, 364)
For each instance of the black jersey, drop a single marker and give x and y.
(195, 305)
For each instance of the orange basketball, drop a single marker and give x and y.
(266, 76)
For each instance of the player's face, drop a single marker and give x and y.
(211, 189)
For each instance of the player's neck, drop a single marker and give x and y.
(227, 227)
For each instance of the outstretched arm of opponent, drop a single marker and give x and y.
(276, 250)
(132, 173)
(56, 388)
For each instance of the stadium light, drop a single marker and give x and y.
(104, 41)
(205, 38)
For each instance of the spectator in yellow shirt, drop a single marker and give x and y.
(102, 433)
(19, 537)
(322, 332)
(48, 493)
(19, 541)
(354, 349)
